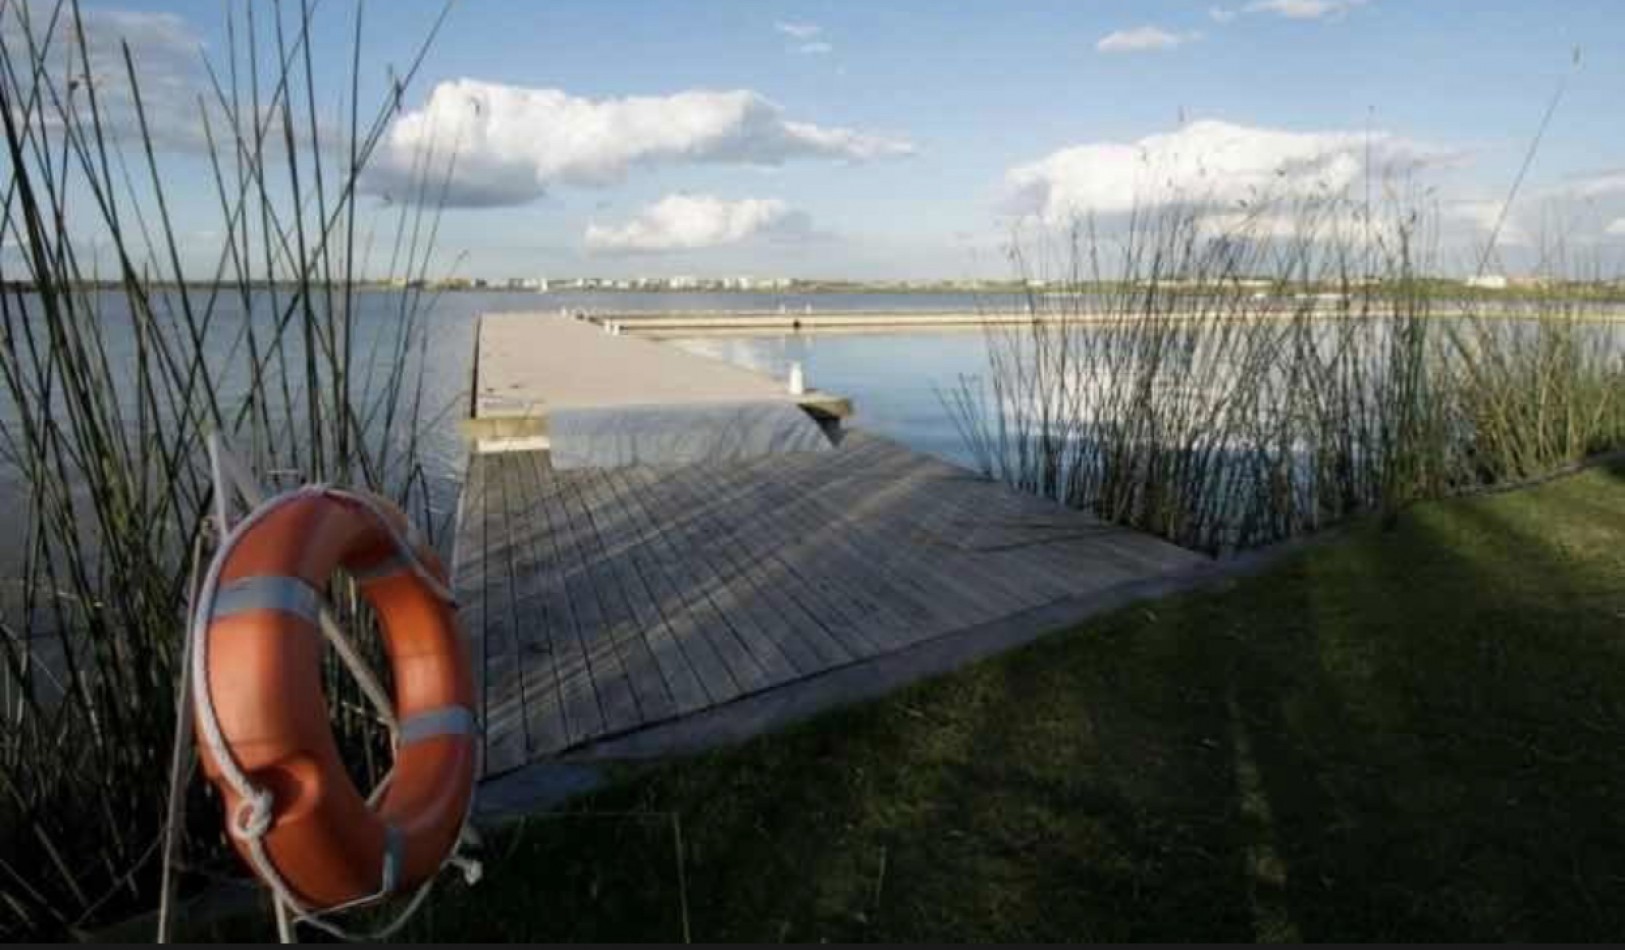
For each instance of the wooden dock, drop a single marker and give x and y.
(602, 602)
(745, 323)
(529, 365)
(1014, 313)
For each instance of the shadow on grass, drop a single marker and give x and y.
(1414, 734)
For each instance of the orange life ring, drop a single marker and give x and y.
(262, 663)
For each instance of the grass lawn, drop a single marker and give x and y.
(1418, 733)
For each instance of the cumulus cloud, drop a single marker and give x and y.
(800, 31)
(1143, 38)
(165, 49)
(1290, 9)
(1597, 185)
(693, 222)
(1303, 9)
(1208, 162)
(1486, 217)
(507, 144)
(1586, 205)
(806, 37)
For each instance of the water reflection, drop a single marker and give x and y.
(895, 380)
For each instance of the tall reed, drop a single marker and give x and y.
(113, 379)
(1228, 383)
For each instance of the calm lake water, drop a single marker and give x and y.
(896, 380)
(891, 377)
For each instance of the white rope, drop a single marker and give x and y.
(406, 544)
(253, 816)
(364, 676)
(224, 466)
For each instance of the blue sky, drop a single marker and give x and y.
(885, 139)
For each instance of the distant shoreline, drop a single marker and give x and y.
(681, 324)
(1429, 288)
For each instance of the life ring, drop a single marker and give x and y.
(265, 742)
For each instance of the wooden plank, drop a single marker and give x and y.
(686, 558)
(606, 600)
(539, 628)
(797, 593)
(728, 587)
(578, 696)
(857, 560)
(854, 628)
(823, 622)
(469, 579)
(693, 622)
(643, 671)
(609, 677)
(505, 740)
(624, 544)
(933, 602)
(1091, 558)
(911, 507)
(884, 541)
(954, 510)
(779, 591)
(532, 362)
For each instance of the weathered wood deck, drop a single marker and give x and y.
(603, 601)
(528, 366)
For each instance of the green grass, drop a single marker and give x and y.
(1415, 733)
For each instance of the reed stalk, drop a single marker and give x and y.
(1227, 387)
(113, 378)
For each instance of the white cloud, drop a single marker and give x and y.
(1598, 185)
(800, 31)
(167, 54)
(692, 222)
(1580, 206)
(1303, 9)
(1143, 38)
(511, 143)
(1484, 217)
(815, 48)
(1208, 162)
(1221, 14)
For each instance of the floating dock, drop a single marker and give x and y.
(528, 366)
(1015, 313)
(649, 609)
(701, 323)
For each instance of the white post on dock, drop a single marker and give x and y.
(798, 380)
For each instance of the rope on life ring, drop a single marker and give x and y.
(253, 649)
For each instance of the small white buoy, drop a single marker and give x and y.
(798, 381)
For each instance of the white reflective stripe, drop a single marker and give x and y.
(290, 595)
(445, 721)
(388, 567)
(394, 855)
